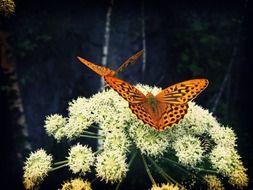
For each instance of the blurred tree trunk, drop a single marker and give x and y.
(13, 122)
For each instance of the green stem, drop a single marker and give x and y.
(98, 151)
(132, 158)
(147, 170)
(177, 165)
(95, 126)
(117, 187)
(204, 170)
(164, 174)
(90, 133)
(195, 168)
(91, 136)
(95, 179)
(58, 167)
(61, 162)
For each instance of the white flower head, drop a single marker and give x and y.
(80, 159)
(111, 166)
(188, 150)
(108, 107)
(117, 140)
(148, 140)
(168, 186)
(238, 177)
(197, 120)
(223, 135)
(76, 184)
(213, 183)
(36, 168)
(224, 159)
(7, 7)
(54, 125)
(76, 126)
(79, 106)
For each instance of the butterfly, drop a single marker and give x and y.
(163, 110)
(104, 71)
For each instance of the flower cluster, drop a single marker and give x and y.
(36, 168)
(213, 183)
(167, 187)
(111, 166)
(121, 134)
(76, 184)
(7, 7)
(80, 159)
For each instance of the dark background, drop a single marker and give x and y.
(184, 40)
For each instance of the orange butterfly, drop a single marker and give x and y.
(104, 71)
(163, 110)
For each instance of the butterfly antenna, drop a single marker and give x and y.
(160, 80)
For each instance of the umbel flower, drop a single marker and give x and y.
(7, 7)
(36, 168)
(76, 184)
(80, 159)
(198, 146)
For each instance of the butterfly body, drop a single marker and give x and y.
(164, 109)
(152, 102)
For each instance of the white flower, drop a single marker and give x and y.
(238, 177)
(213, 183)
(224, 159)
(7, 7)
(117, 140)
(54, 125)
(111, 166)
(197, 120)
(80, 159)
(37, 165)
(79, 106)
(167, 186)
(223, 135)
(76, 126)
(76, 184)
(149, 141)
(188, 150)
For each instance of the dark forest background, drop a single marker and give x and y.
(40, 73)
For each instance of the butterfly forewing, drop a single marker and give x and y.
(102, 71)
(126, 90)
(130, 60)
(182, 92)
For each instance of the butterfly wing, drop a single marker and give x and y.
(102, 71)
(173, 114)
(131, 60)
(137, 100)
(182, 92)
(126, 90)
(143, 114)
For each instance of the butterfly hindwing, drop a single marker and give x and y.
(142, 114)
(126, 90)
(173, 114)
(182, 92)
